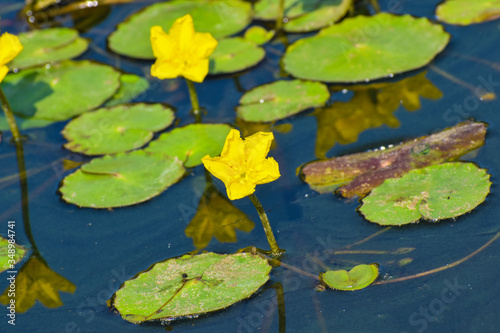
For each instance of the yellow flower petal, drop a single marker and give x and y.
(197, 71)
(239, 189)
(183, 32)
(257, 146)
(10, 47)
(206, 45)
(217, 167)
(163, 45)
(266, 172)
(3, 72)
(165, 70)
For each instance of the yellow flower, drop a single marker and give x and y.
(10, 47)
(182, 51)
(243, 163)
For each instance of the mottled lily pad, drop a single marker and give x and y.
(121, 180)
(361, 276)
(258, 35)
(304, 15)
(234, 55)
(63, 91)
(190, 285)
(220, 18)
(117, 129)
(10, 255)
(366, 48)
(434, 193)
(465, 12)
(47, 45)
(192, 142)
(131, 87)
(281, 99)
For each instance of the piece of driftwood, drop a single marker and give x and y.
(364, 171)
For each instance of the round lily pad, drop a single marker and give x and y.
(131, 87)
(465, 12)
(258, 35)
(220, 18)
(304, 15)
(434, 193)
(63, 91)
(361, 276)
(47, 45)
(117, 129)
(192, 142)
(281, 99)
(233, 55)
(190, 285)
(10, 253)
(121, 180)
(366, 48)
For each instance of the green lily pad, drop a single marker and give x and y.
(47, 45)
(281, 99)
(131, 87)
(117, 129)
(304, 15)
(361, 276)
(234, 55)
(258, 35)
(434, 193)
(465, 12)
(10, 254)
(121, 180)
(192, 142)
(63, 91)
(220, 18)
(366, 48)
(190, 285)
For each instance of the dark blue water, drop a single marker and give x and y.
(97, 250)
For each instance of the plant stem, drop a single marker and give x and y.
(194, 100)
(10, 117)
(275, 250)
(375, 6)
(281, 14)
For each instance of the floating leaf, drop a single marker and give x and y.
(131, 87)
(304, 15)
(258, 35)
(192, 142)
(281, 99)
(63, 91)
(366, 48)
(364, 171)
(14, 252)
(191, 285)
(220, 18)
(465, 12)
(361, 276)
(371, 106)
(434, 193)
(48, 45)
(121, 180)
(117, 129)
(234, 55)
(216, 216)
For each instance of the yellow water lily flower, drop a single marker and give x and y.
(243, 164)
(10, 47)
(181, 52)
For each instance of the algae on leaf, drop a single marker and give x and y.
(434, 193)
(190, 285)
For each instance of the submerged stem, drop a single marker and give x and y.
(275, 250)
(281, 14)
(10, 117)
(194, 100)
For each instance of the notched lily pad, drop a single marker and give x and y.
(364, 171)
(258, 35)
(48, 45)
(361, 276)
(117, 129)
(131, 86)
(465, 12)
(190, 285)
(192, 142)
(434, 193)
(14, 252)
(220, 18)
(63, 91)
(281, 99)
(366, 48)
(121, 180)
(234, 55)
